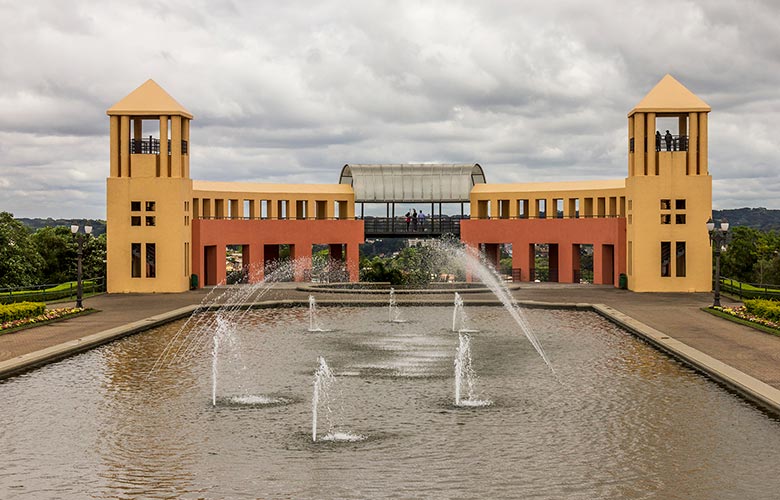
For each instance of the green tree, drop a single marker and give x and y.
(20, 263)
(94, 261)
(742, 254)
(379, 269)
(58, 249)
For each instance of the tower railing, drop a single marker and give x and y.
(664, 143)
(151, 146)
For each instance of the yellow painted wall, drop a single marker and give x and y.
(645, 230)
(218, 196)
(590, 195)
(170, 233)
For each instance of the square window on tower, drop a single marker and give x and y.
(150, 206)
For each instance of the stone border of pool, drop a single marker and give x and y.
(750, 388)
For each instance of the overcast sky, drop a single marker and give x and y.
(291, 91)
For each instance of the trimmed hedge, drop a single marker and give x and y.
(21, 310)
(767, 309)
(58, 292)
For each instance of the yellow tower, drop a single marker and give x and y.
(149, 193)
(669, 192)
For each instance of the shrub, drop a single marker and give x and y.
(767, 309)
(21, 310)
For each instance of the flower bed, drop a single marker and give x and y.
(47, 316)
(745, 316)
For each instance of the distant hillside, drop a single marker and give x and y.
(758, 218)
(98, 226)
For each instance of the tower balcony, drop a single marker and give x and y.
(151, 146)
(665, 143)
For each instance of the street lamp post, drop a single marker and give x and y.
(80, 237)
(717, 238)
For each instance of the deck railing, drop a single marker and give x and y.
(151, 146)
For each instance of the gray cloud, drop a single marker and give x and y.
(533, 91)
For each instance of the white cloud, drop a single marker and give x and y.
(532, 91)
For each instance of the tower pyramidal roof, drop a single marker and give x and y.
(670, 96)
(148, 100)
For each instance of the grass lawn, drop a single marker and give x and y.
(69, 285)
(748, 287)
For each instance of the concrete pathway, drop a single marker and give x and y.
(676, 315)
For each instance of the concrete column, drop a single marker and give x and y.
(652, 157)
(165, 162)
(630, 154)
(492, 253)
(353, 262)
(301, 254)
(597, 272)
(703, 146)
(682, 125)
(186, 136)
(494, 214)
(124, 144)
(472, 248)
(252, 257)
(221, 264)
(520, 258)
(114, 148)
(565, 263)
(575, 260)
(137, 129)
(330, 209)
(176, 170)
(553, 262)
(513, 212)
(640, 168)
(693, 139)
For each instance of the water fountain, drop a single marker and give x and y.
(394, 313)
(325, 395)
(315, 325)
(459, 317)
(487, 275)
(465, 376)
(626, 420)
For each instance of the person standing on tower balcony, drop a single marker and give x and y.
(657, 141)
(414, 219)
(668, 140)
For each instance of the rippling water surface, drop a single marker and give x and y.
(619, 421)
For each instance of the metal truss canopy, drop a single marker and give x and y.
(412, 183)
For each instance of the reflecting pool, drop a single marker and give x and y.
(615, 419)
